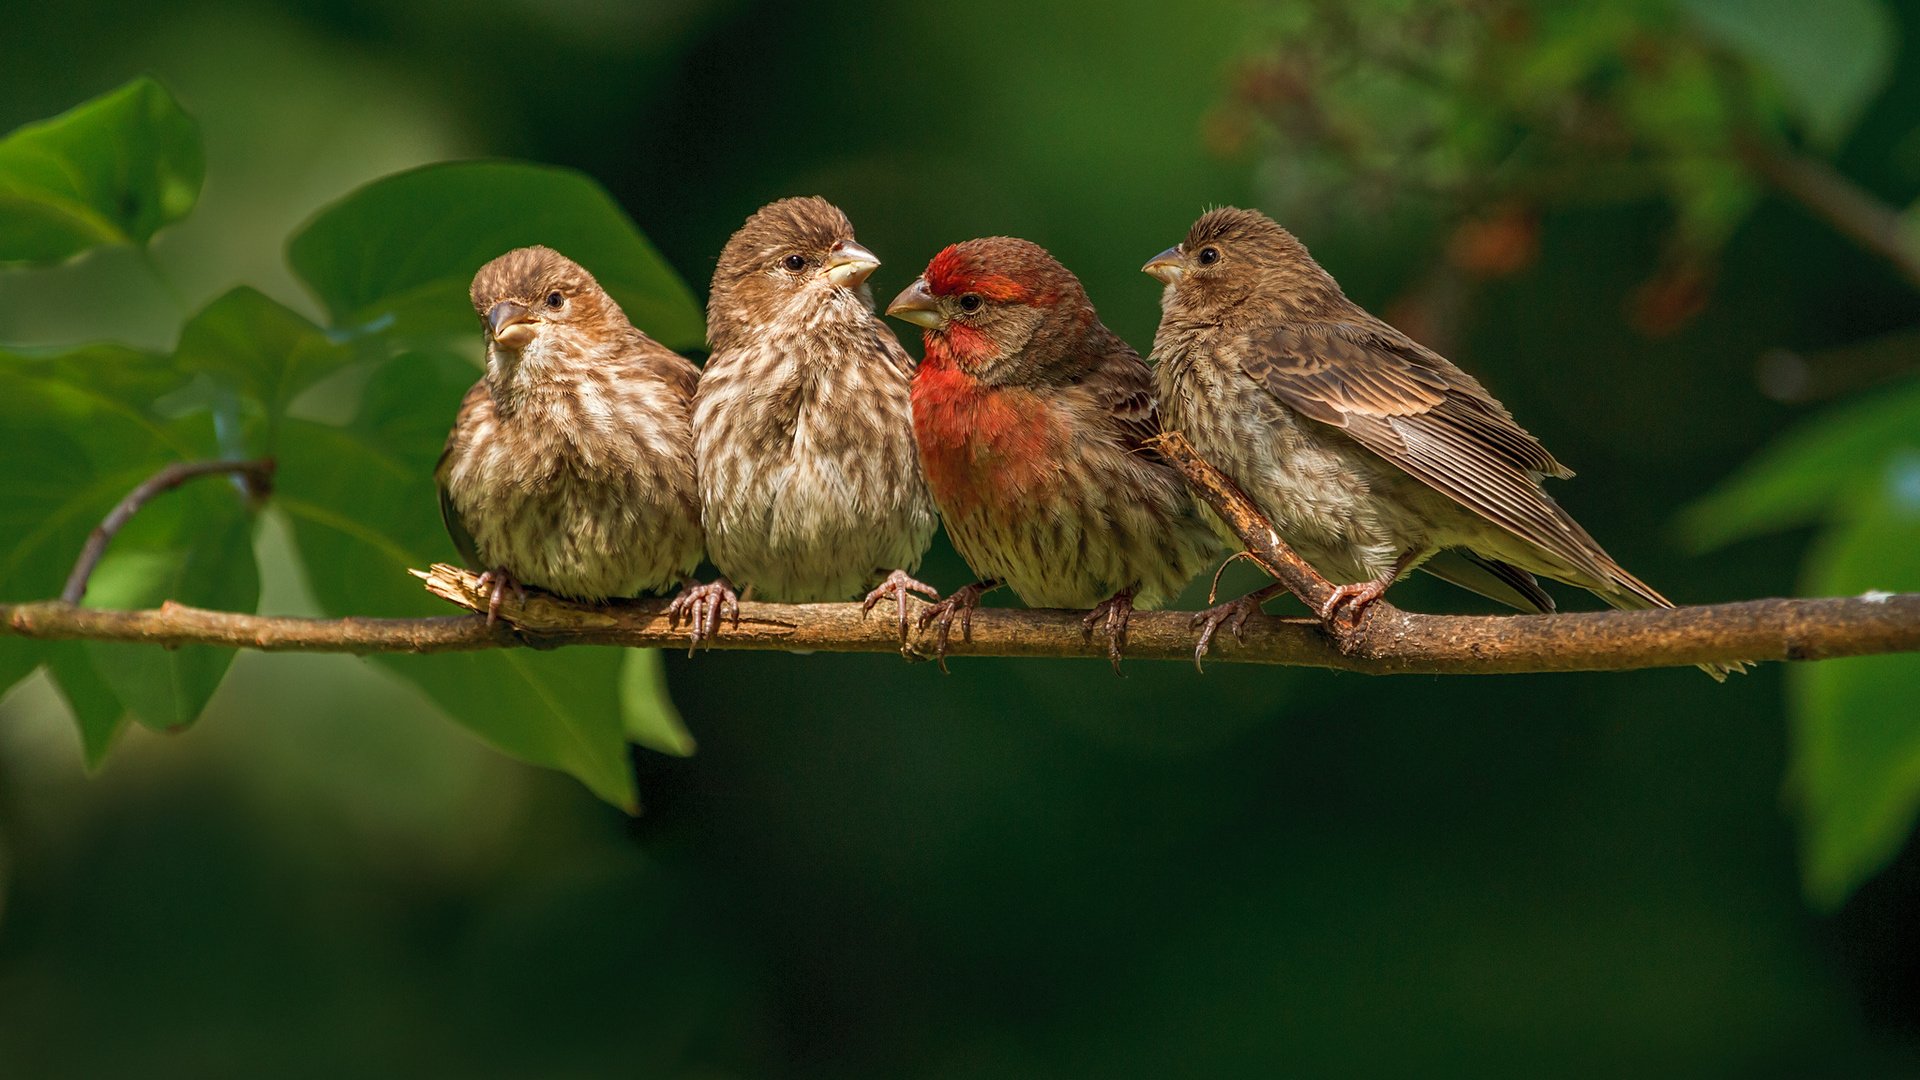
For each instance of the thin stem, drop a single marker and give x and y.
(256, 477)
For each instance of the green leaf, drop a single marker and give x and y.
(262, 350)
(1816, 466)
(1830, 59)
(204, 559)
(400, 253)
(363, 509)
(114, 170)
(96, 709)
(1856, 732)
(77, 433)
(650, 718)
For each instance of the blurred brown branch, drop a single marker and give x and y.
(1849, 209)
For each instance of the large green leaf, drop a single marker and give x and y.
(651, 718)
(261, 350)
(114, 170)
(1814, 467)
(78, 432)
(205, 558)
(363, 510)
(1830, 58)
(1856, 733)
(399, 254)
(96, 708)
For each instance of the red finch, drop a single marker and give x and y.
(809, 485)
(1031, 418)
(1370, 454)
(570, 465)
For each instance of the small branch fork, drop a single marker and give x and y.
(1386, 641)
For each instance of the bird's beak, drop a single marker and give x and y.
(848, 264)
(916, 305)
(1169, 266)
(510, 324)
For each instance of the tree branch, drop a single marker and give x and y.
(256, 476)
(1387, 641)
(1394, 642)
(1851, 210)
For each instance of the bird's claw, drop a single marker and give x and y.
(704, 607)
(1233, 615)
(898, 586)
(1117, 612)
(961, 603)
(497, 583)
(1354, 599)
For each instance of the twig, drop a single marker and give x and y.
(1263, 545)
(257, 477)
(1850, 209)
(1393, 642)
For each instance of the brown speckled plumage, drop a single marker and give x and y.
(570, 464)
(810, 488)
(1370, 453)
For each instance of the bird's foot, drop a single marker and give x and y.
(1117, 612)
(898, 586)
(497, 583)
(961, 603)
(1351, 600)
(704, 607)
(1233, 615)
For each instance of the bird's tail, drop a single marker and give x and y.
(1629, 593)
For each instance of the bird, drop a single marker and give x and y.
(1370, 454)
(570, 464)
(810, 487)
(1033, 421)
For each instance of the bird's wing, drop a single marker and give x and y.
(1491, 578)
(1415, 409)
(457, 441)
(1122, 388)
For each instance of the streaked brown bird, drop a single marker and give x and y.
(1032, 418)
(1370, 454)
(570, 465)
(809, 485)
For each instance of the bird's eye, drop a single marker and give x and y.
(970, 302)
(556, 301)
(1209, 256)
(794, 263)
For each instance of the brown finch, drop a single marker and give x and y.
(1369, 453)
(809, 485)
(1031, 418)
(570, 465)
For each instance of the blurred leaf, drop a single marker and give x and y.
(650, 718)
(362, 506)
(401, 252)
(1809, 470)
(1856, 731)
(78, 433)
(114, 170)
(96, 709)
(19, 657)
(261, 349)
(205, 560)
(1830, 59)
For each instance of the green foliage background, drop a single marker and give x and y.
(868, 869)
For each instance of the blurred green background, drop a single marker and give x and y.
(1032, 868)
